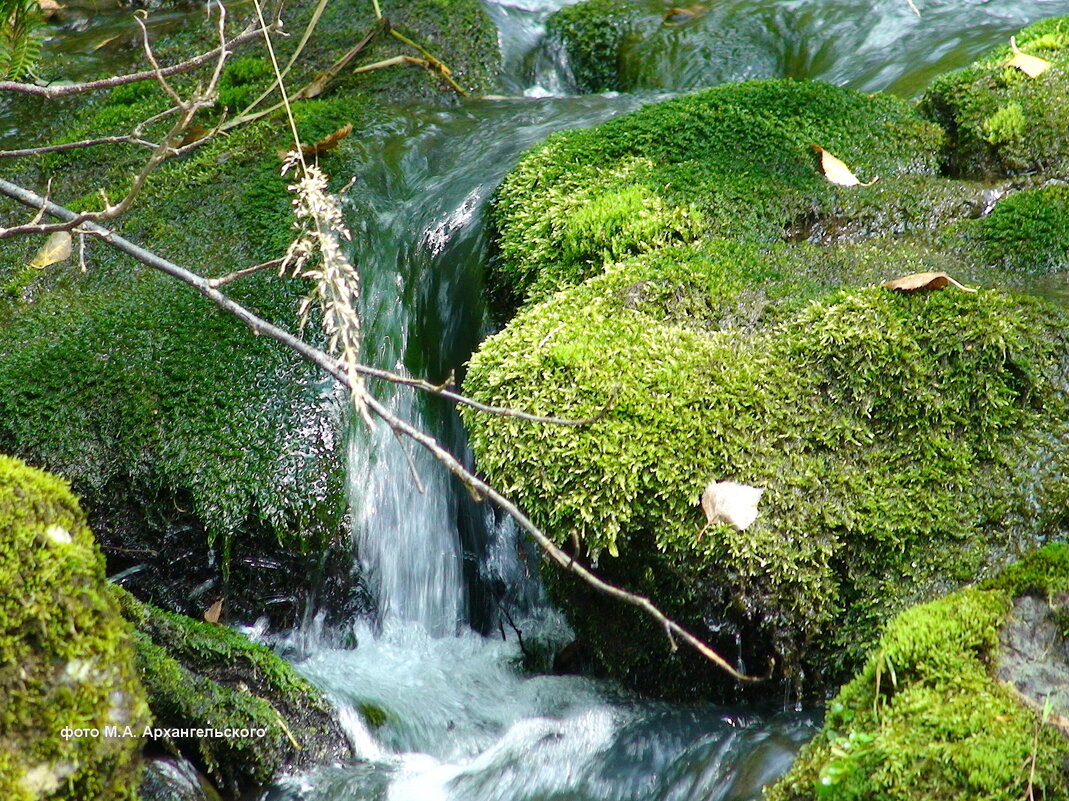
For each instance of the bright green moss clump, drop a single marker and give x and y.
(926, 717)
(1027, 231)
(731, 161)
(65, 653)
(886, 429)
(1002, 122)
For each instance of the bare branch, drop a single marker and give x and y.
(103, 140)
(66, 90)
(222, 280)
(139, 17)
(201, 98)
(440, 390)
(477, 486)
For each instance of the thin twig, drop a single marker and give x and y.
(222, 280)
(201, 98)
(139, 17)
(332, 366)
(103, 140)
(66, 90)
(434, 64)
(411, 463)
(440, 390)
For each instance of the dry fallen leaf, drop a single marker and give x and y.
(677, 15)
(55, 249)
(730, 502)
(328, 142)
(837, 172)
(212, 613)
(1032, 66)
(920, 282)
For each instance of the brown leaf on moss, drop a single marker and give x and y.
(212, 613)
(837, 172)
(328, 142)
(922, 282)
(194, 134)
(1032, 66)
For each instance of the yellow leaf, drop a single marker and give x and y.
(920, 282)
(1032, 66)
(55, 249)
(837, 172)
(730, 502)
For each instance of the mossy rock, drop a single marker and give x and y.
(928, 717)
(888, 430)
(167, 415)
(205, 676)
(195, 445)
(65, 654)
(733, 161)
(1026, 232)
(1002, 122)
(627, 46)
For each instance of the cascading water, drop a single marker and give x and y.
(435, 710)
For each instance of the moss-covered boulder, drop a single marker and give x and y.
(1001, 121)
(889, 431)
(67, 674)
(260, 716)
(611, 45)
(939, 710)
(733, 161)
(1026, 231)
(205, 455)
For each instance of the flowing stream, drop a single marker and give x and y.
(432, 690)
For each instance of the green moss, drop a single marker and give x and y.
(999, 120)
(926, 718)
(65, 655)
(731, 161)
(885, 428)
(1027, 231)
(637, 45)
(593, 32)
(141, 387)
(202, 675)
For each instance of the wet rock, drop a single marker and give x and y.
(200, 675)
(1034, 653)
(1001, 121)
(688, 268)
(169, 779)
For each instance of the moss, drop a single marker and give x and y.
(65, 654)
(926, 718)
(1000, 121)
(592, 34)
(139, 392)
(886, 430)
(636, 45)
(1027, 231)
(731, 161)
(202, 675)
(172, 398)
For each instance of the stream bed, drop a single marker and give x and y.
(434, 694)
(432, 689)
